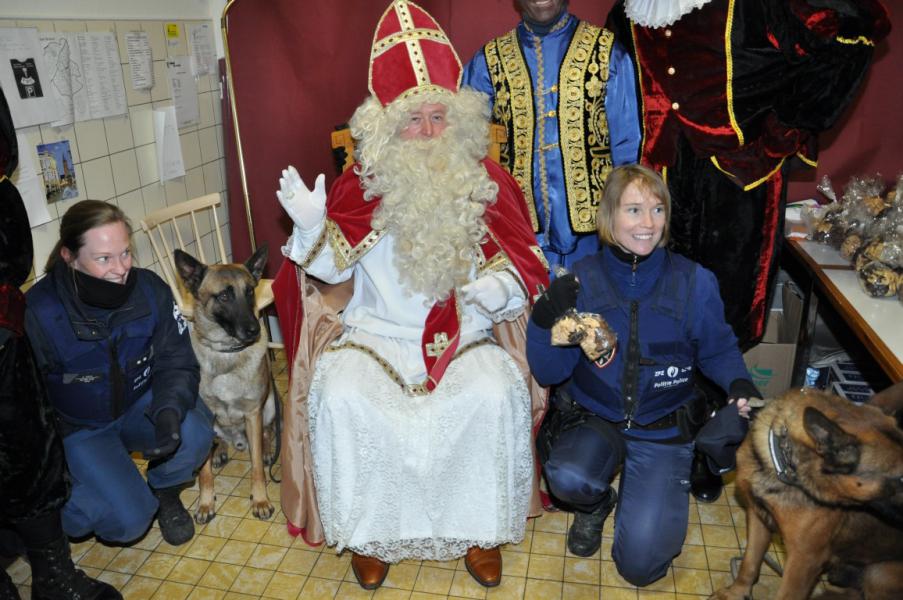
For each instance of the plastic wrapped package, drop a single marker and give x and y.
(589, 330)
(880, 280)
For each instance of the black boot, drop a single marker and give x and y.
(585, 534)
(53, 575)
(8, 589)
(705, 485)
(176, 525)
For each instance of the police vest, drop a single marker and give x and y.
(80, 381)
(651, 374)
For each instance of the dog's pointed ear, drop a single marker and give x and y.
(190, 270)
(257, 262)
(838, 449)
(890, 401)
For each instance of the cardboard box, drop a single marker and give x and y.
(770, 363)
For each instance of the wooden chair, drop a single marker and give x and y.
(177, 226)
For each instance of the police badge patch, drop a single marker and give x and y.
(180, 320)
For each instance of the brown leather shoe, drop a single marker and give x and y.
(484, 565)
(370, 572)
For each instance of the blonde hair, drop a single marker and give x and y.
(617, 182)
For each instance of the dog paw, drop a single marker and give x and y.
(262, 509)
(204, 514)
(220, 458)
(269, 459)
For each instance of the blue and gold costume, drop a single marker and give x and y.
(567, 99)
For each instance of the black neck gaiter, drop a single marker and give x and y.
(101, 293)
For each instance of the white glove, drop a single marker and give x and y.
(489, 292)
(307, 208)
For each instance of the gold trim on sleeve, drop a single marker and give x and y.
(345, 254)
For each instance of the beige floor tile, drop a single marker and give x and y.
(140, 588)
(617, 593)
(720, 558)
(158, 565)
(332, 566)
(188, 570)
(401, 576)
(236, 552)
(277, 535)
(99, 556)
(692, 581)
(433, 580)
(251, 581)
(298, 562)
(546, 567)
(201, 593)
(267, 557)
(221, 526)
(465, 586)
(715, 514)
(551, 522)
(285, 586)
(582, 570)
(117, 580)
(542, 590)
(515, 563)
(170, 590)
(352, 591)
(235, 468)
(205, 547)
(250, 530)
(220, 576)
(129, 560)
(548, 543)
(511, 588)
(579, 591)
(720, 536)
(319, 589)
(234, 506)
(385, 593)
(691, 557)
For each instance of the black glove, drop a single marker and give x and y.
(555, 301)
(743, 388)
(167, 434)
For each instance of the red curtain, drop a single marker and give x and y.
(300, 68)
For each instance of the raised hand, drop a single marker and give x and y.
(306, 208)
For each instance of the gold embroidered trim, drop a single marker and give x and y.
(754, 184)
(642, 95)
(729, 57)
(854, 41)
(585, 143)
(513, 108)
(315, 249)
(345, 254)
(407, 36)
(540, 255)
(411, 389)
(811, 162)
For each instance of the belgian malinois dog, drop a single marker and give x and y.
(235, 374)
(827, 475)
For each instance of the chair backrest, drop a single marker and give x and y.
(176, 226)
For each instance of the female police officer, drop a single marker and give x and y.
(122, 377)
(669, 321)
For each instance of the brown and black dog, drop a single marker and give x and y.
(827, 475)
(235, 374)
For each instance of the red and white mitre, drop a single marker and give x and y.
(410, 55)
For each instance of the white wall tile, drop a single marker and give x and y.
(147, 163)
(142, 120)
(98, 176)
(191, 150)
(154, 31)
(119, 133)
(175, 191)
(92, 139)
(209, 149)
(44, 238)
(109, 26)
(125, 172)
(205, 109)
(154, 197)
(69, 26)
(132, 204)
(217, 108)
(42, 26)
(213, 181)
(194, 182)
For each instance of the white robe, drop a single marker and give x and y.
(400, 476)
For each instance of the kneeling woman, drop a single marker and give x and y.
(122, 377)
(669, 319)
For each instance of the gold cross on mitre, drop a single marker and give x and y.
(440, 343)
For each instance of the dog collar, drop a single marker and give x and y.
(778, 449)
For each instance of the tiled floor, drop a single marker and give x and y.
(238, 556)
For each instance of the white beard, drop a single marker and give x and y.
(432, 202)
(659, 13)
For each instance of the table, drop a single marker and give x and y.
(827, 277)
